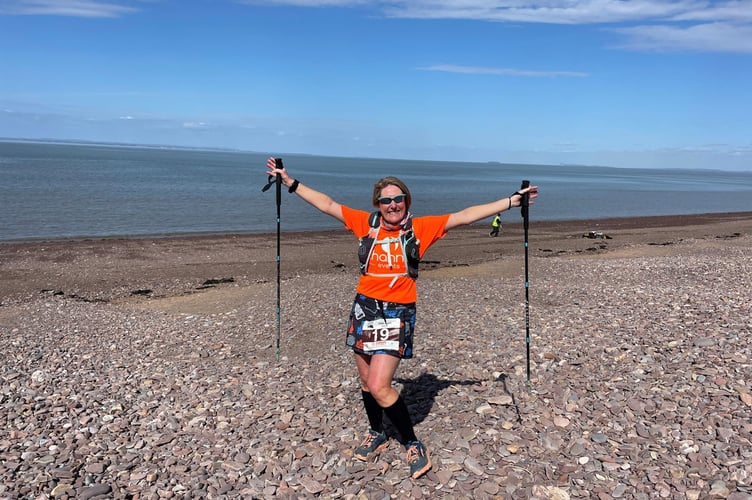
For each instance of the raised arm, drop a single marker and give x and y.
(478, 212)
(319, 200)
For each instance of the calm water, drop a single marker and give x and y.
(67, 190)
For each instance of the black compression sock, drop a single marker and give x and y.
(400, 417)
(374, 411)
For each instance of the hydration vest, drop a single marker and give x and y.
(409, 245)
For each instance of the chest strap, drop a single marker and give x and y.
(409, 247)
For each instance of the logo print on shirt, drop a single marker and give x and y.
(387, 256)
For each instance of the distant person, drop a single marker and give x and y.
(495, 226)
(382, 318)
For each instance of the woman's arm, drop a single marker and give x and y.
(315, 198)
(478, 212)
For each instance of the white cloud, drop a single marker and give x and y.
(308, 3)
(551, 11)
(711, 37)
(734, 11)
(686, 25)
(72, 8)
(475, 70)
(197, 125)
(727, 149)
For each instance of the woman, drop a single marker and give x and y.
(382, 317)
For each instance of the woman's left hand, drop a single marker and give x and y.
(517, 196)
(272, 170)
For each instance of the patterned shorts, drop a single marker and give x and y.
(378, 327)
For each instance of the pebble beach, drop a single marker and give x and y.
(159, 368)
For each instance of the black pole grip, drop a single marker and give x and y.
(525, 199)
(278, 180)
(272, 179)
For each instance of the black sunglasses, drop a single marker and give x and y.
(386, 200)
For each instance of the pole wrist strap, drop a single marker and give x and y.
(510, 198)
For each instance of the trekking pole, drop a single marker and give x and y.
(278, 181)
(525, 223)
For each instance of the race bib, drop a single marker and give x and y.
(381, 333)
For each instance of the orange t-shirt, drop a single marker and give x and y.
(391, 260)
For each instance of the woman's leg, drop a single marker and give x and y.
(375, 440)
(376, 375)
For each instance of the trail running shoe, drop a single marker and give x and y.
(417, 459)
(374, 442)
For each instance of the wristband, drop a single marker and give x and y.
(510, 197)
(294, 186)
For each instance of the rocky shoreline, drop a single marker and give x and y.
(129, 373)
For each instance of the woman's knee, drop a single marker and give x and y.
(380, 393)
(385, 395)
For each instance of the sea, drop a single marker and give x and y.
(53, 190)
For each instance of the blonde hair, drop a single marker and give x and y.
(390, 181)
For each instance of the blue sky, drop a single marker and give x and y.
(641, 83)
